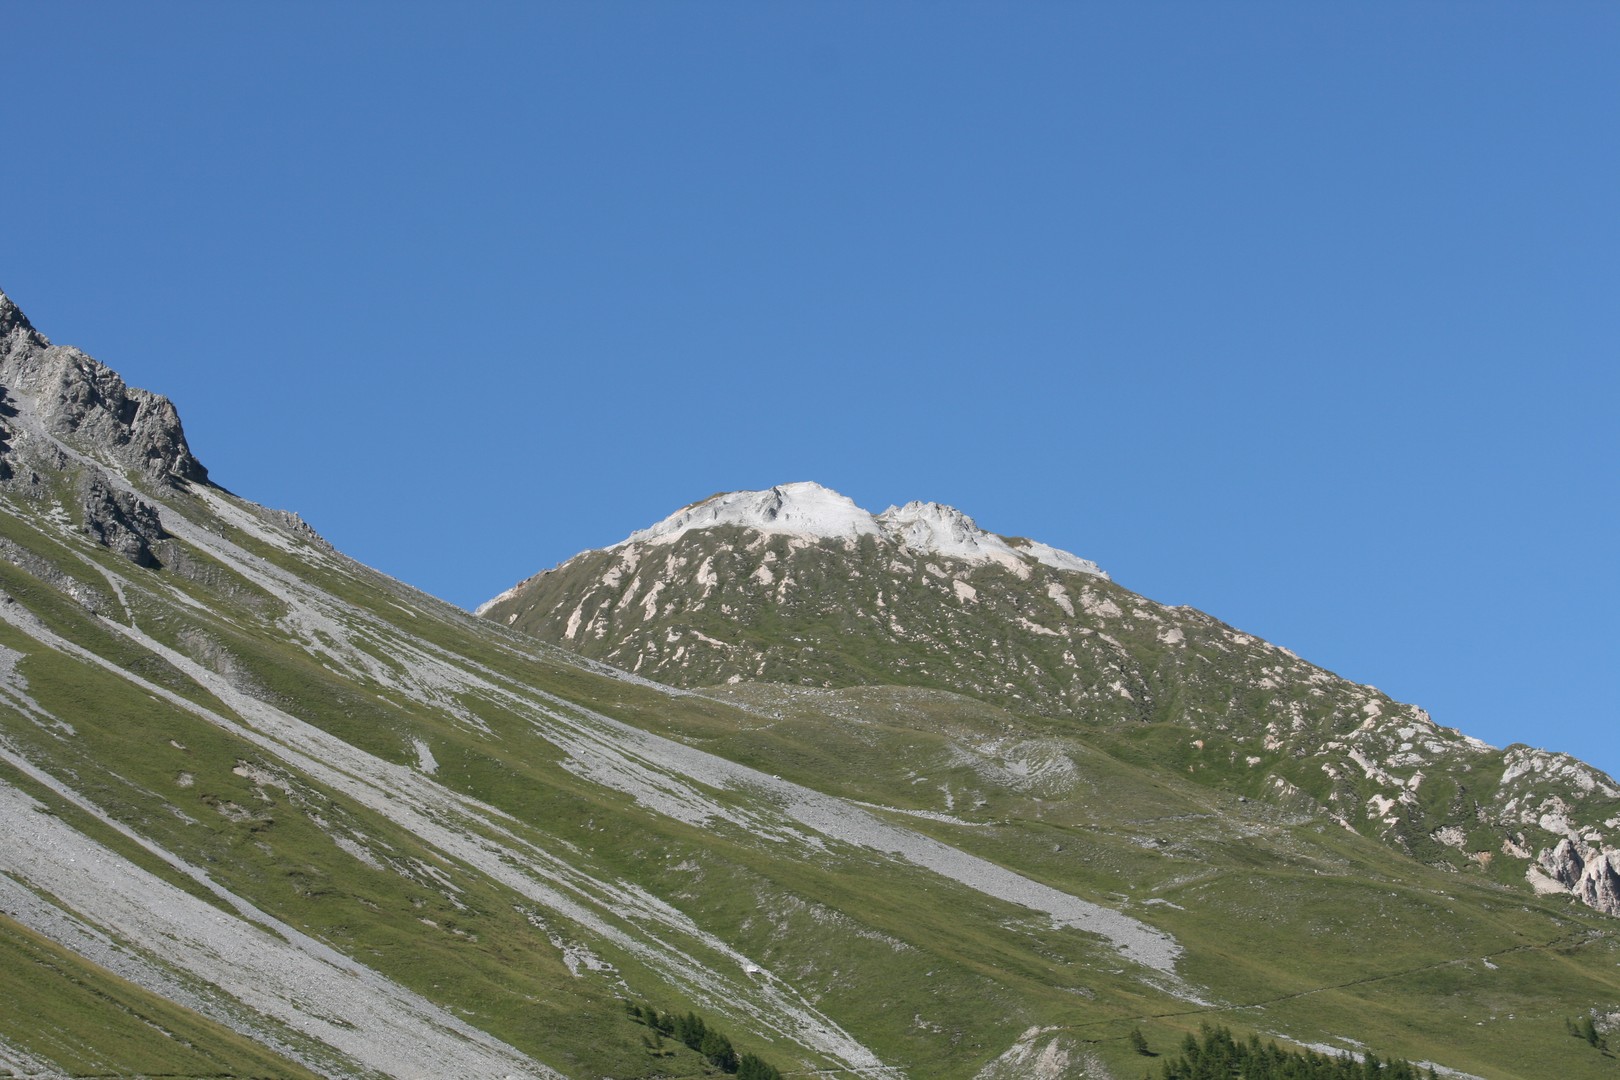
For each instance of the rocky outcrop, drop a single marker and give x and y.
(15, 329)
(121, 522)
(1591, 875)
(295, 524)
(1563, 863)
(1599, 886)
(87, 405)
(7, 411)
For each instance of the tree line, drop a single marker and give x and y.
(1215, 1055)
(695, 1034)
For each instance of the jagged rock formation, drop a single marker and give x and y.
(809, 511)
(1562, 863)
(1599, 886)
(122, 522)
(88, 406)
(797, 584)
(64, 416)
(1590, 874)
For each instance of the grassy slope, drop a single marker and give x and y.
(88, 1021)
(1300, 927)
(1276, 912)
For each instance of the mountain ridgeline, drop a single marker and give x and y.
(797, 585)
(922, 802)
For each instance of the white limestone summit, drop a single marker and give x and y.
(804, 509)
(813, 512)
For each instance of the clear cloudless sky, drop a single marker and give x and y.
(1304, 314)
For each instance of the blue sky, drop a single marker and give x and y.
(1303, 314)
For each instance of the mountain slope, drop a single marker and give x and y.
(269, 812)
(798, 585)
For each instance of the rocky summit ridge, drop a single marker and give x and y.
(809, 511)
(798, 585)
(87, 405)
(63, 414)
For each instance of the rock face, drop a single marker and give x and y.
(120, 521)
(63, 414)
(1599, 886)
(1588, 873)
(799, 585)
(1563, 863)
(88, 406)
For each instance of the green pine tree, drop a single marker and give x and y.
(690, 1029)
(750, 1067)
(717, 1048)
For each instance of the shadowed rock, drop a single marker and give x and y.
(121, 522)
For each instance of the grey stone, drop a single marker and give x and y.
(121, 522)
(1563, 863)
(1599, 886)
(86, 404)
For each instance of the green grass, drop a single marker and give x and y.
(88, 1021)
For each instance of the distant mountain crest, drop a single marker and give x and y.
(804, 509)
(810, 511)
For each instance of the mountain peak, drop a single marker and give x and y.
(76, 398)
(814, 512)
(804, 509)
(13, 321)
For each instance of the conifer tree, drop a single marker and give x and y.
(1216, 1055)
(717, 1048)
(750, 1067)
